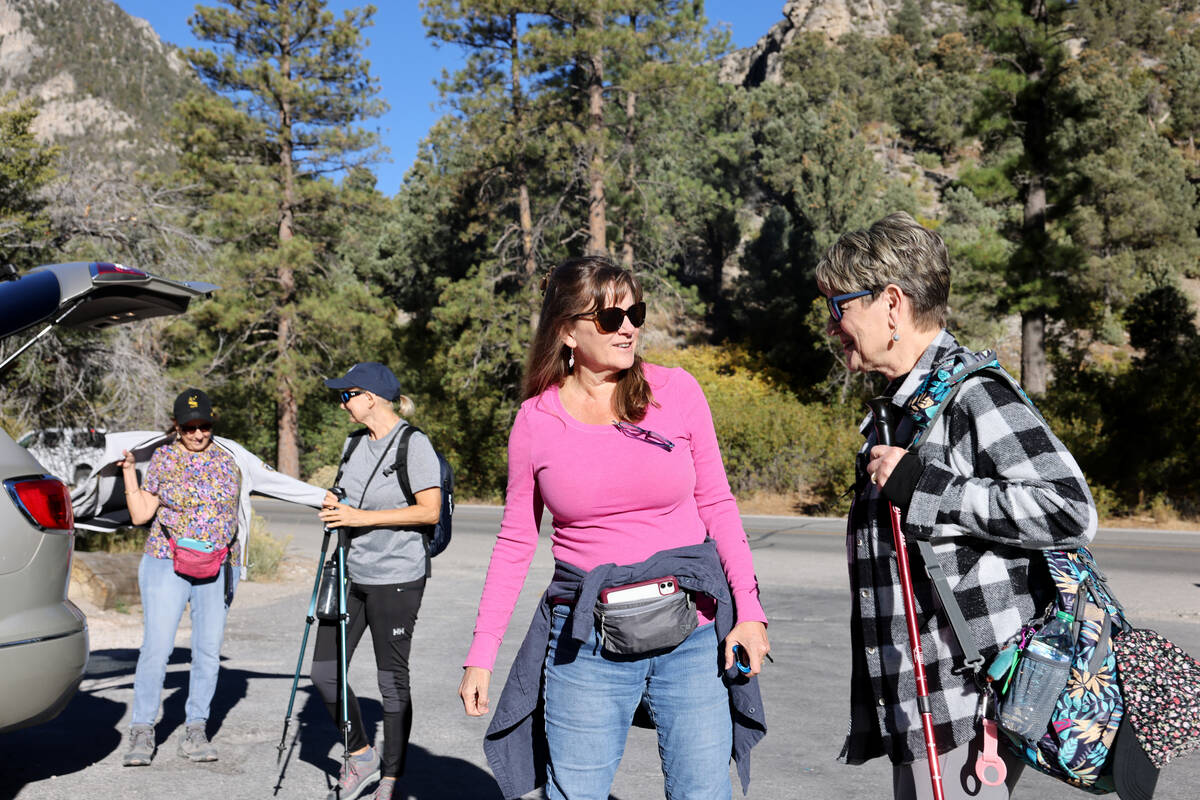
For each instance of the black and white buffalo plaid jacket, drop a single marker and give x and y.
(997, 486)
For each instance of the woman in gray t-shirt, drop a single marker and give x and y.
(385, 562)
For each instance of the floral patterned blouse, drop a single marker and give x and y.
(197, 496)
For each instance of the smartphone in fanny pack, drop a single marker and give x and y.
(646, 590)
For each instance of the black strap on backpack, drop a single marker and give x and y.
(351, 443)
(401, 470)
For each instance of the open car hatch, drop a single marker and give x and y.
(88, 295)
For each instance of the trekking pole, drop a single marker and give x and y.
(881, 408)
(343, 680)
(308, 621)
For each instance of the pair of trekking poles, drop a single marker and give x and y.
(342, 618)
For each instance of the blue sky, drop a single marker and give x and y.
(407, 63)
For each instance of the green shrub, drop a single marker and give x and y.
(265, 553)
(770, 441)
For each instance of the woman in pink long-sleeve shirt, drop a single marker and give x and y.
(625, 456)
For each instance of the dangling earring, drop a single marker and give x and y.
(571, 362)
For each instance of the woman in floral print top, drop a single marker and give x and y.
(196, 487)
(197, 491)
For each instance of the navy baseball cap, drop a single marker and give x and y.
(192, 405)
(370, 375)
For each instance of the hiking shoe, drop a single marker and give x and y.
(141, 746)
(384, 790)
(195, 745)
(355, 775)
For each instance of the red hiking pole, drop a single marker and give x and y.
(881, 408)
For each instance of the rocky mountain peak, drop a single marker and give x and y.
(834, 18)
(103, 81)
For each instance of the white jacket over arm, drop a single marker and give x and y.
(260, 478)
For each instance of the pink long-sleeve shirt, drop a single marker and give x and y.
(614, 498)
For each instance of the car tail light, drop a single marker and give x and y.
(45, 500)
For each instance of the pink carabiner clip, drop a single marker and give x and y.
(989, 762)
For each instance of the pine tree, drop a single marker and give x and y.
(298, 85)
(1068, 135)
(1027, 39)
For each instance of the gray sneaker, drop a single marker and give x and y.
(384, 790)
(359, 771)
(195, 746)
(141, 746)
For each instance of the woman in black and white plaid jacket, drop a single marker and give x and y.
(991, 485)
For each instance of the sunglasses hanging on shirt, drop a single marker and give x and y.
(648, 436)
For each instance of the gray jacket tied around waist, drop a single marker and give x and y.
(515, 743)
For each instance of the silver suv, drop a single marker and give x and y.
(69, 454)
(43, 636)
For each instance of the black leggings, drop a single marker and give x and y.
(390, 611)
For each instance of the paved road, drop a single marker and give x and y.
(800, 563)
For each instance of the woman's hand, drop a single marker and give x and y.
(752, 636)
(330, 500)
(127, 463)
(884, 459)
(340, 515)
(474, 690)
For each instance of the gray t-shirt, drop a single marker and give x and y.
(382, 555)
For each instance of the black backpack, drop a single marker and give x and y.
(437, 536)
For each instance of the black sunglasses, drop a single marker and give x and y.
(203, 427)
(348, 393)
(834, 304)
(638, 432)
(609, 320)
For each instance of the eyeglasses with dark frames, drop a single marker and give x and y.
(835, 303)
(609, 320)
(638, 432)
(347, 394)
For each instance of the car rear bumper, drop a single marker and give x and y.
(41, 676)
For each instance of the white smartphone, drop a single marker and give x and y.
(646, 590)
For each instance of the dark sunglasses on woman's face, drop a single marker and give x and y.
(203, 427)
(348, 394)
(609, 320)
(835, 303)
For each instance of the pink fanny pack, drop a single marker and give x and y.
(197, 559)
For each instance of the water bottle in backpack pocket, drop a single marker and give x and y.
(1041, 676)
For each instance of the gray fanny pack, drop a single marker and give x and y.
(642, 627)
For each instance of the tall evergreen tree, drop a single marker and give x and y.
(1028, 42)
(1065, 128)
(298, 86)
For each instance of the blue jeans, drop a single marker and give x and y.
(590, 701)
(164, 595)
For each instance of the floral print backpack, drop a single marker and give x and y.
(1077, 744)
